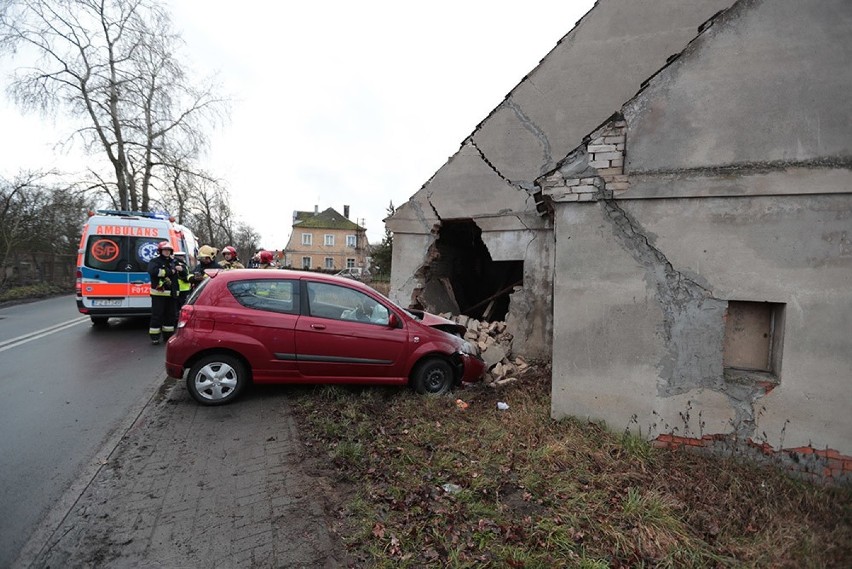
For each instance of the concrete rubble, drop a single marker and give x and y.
(493, 340)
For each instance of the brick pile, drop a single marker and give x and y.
(494, 342)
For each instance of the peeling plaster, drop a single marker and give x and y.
(692, 327)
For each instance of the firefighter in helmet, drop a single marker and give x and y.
(230, 260)
(266, 260)
(164, 273)
(206, 261)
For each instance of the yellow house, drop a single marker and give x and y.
(326, 240)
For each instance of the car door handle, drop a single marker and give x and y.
(137, 282)
(318, 326)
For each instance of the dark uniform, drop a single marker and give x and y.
(164, 277)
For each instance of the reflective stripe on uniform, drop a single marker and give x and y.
(168, 329)
(153, 331)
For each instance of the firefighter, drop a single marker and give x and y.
(184, 280)
(265, 260)
(230, 259)
(206, 260)
(163, 273)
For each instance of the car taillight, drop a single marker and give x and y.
(78, 286)
(185, 316)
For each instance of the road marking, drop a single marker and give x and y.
(15, 342)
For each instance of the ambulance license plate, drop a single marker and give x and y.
(106, 302)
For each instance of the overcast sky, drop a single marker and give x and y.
(338, 102)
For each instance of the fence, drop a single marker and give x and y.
(23, 269)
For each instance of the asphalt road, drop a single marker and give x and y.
(69, 390)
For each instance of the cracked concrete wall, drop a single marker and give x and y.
(589, 74)
(638, 315)
(729, 199)
(752, 89)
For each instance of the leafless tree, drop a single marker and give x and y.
(113, 64)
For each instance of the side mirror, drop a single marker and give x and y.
(393, 320)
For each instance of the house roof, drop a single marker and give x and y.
(328, 219)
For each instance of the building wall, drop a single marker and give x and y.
(589, 74)
(737, 186)
(319, 251)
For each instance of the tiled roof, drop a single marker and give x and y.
(328, 219)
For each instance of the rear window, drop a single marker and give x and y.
(272, 295)
(120, 253)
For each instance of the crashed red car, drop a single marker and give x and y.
(279, 326)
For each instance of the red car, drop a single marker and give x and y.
(279, 326)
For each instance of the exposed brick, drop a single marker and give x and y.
(802, 450)
(588, 180)
(847, 465)
(665, 438)
(617, 186)
(587, 197)
(617, 162)
(607, 156)
(595, 148)
(617, 139)
(599, 163)
(607, 172)
(572, 182)
(585, 189)
(659, 444)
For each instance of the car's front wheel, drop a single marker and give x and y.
(216, 379)
(433, 376)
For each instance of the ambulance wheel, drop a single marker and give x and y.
(100, 321)
(216, 379)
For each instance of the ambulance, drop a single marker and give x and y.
(112, 261)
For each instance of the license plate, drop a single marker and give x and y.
(107, 302)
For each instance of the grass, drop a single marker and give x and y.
(428, 484)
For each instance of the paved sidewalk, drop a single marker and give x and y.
(192, 486)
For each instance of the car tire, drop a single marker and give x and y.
(216, 379)
(100, 321)
(433, 376)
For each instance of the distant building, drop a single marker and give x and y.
(326, 240)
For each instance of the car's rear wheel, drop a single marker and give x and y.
(216, 379)
(433, 376)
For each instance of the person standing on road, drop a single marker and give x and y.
(206, 260)
(184, 284)
(266, 260)
(163, 273)
(231, 260)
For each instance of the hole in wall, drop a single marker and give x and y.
(462, 278)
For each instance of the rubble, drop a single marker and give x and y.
(494, 342)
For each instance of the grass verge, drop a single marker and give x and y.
(428, 484)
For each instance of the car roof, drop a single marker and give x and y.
(261, 274)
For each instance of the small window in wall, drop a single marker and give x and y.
(754, 337)
(306, 262)
(329, 262)
(350, 241)
(329, 240)
(350, 263)
(307, 239)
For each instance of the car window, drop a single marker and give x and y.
(342, 303)
(272, 295)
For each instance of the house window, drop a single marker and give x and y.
(351, 241)
(329, 262)
(307, 239)
(306, 262)
(350, 263)
(329, 240)
(754, 334)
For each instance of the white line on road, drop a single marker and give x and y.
(15, 342)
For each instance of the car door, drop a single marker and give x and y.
(264, 325)
(344, 335)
